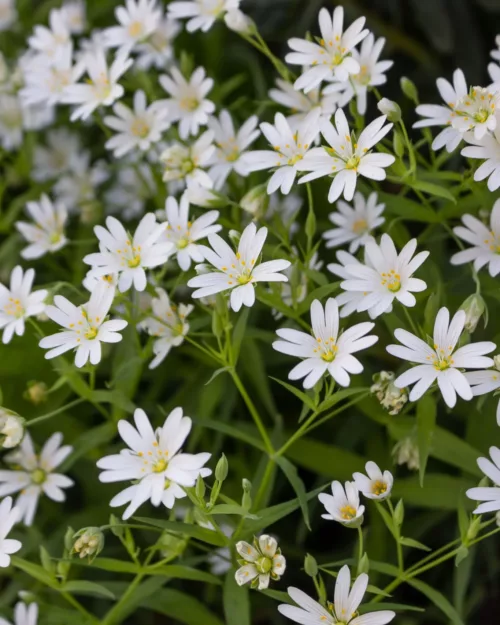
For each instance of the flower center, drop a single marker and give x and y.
(187, 166)
(329, 356)
(135, 29)
(337, 58)
(183, 243)
(135, 261)
(14, 308)
(379, 488)
(91, 333)
(359, 226)
(352, 163)
(391, 280)
(481, 116)
(38, 476)
(442, 364)
(348, 513)
(160, 465)
(244, 278)
(264, 564)
(189, 104)
(55, 237)
(140, 128)
(295, 159)
(233, 156)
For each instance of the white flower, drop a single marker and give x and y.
(85, 326)
(386, 276)
(167, 324)
(187, 104)
(237, 272)
(202, 13)
(184, 233)
(79, 185)
(51, 41)
(136, 129)
(344, 609)
(46, 82)
(347, 158)
(290, 146)
(74, 15)
(490, 495)
(488, 148)
(129, 256)
(46, 234)
(11, 429)
(348, 300)
(301, 103)
(343, 504)
(483, 382)
(155, 460)
(327, 350)
(9, 515)
(355, 225)
(231, 146)
(442, 362)
(476, 111)
(17, 303)
(495, 54)
(157, 50)
(8, 14)
(11, 122)
(23, 615)
(371, 74)
(201, 196)
(485, 242)
(138, 19)
(332, 56)
(259, 562)
(189, 162)
(33, 475)
(406, 452)
(239, 22)
(101, 88)
(57, 156)
(439, 115)
(375, 485)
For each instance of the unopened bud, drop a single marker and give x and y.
(89, 542)
(11, 428)
(390, 109)
(200, 488)
(239, 22)
(256, 200)
(206, 198)
(246, 500)
(390, 397)
(68, 539)
(235, 236)
(364, 564)
(474, 307)
(36, 393)
(172, 545)
(310, 565)
(409, 89)
(406, 452)
(474, 528)
(222, 468)
(398, 144)
(399, 513)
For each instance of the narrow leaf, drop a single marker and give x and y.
(297, 484)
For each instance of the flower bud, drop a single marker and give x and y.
(89, 541)
(496, 360)
(36, 393)
(246, 501)
(11, 429)
(409, 89)
(390, 109)
(399, 513)
(221, 469)
(364, 564)
(200, 488)
(310, 565)
(206, 198)
(239, 22)
(390, 397)
(235, 236)
(474, 528)
(406, 452)
(398, 144)
(474, 307)
(172, 546)
(256, 200)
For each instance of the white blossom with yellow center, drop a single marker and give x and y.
(46, 233)
(201, 14)
(154, 461)
(189, 162)
(375, 485)
(442, 362)
(343, 504)
(476, 111)
(260, 563)
(137, 20)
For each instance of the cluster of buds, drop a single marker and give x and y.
(89, 542)
(406, 452)
(36, 392)
(474, 307)
(259, 563)
(390, 397)
(11, 428)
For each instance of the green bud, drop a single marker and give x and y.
(48, 564)
(474, 307)
(200, 488)
(217, 324)
(390, 109)
(89, 542)
(474, 528)
(68, 539)
(63, 568)
(399, 513)
(398, 143)
(256, 200)
(409, 89)
(246, 500)
(310, 565)
(172, 545)
(116, 528)
(222, 468)
(364, 564)
(462, 553)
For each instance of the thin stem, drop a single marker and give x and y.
(360, 546)
(54, 413)
(78, 606)
(397, 537)
(263, 484)
(253, 411)
(411, 322)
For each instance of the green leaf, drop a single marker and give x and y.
(327, 460)
(278, 595)
(34, 570)
(339, 396)
(374, 590)
(408, 209)
(116, 398)
(438, 600)
(226, 508)
(396, 607)
(409, 542)
(89, 441)
(84, 587)
(433, 189)
(237, 431)
(194, 531)
(236, 602)
(239, 333)
(181, 607)
(441, 492)
(320, 293)
(179, 571)
(302, 396)
(297, 484)
(217, 372)
(426, 424)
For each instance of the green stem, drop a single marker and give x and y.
(263, 484)
(397, 537)
(411, 322)
(54, 413)
(360, 546)
(78, 606)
